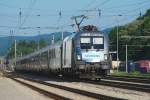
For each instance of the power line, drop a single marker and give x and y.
(91, 3)
(128, 5)
(126, 11)
(29, 27)
(101, 4)
(28, 13)
(8, 26)
(59, 14)
(133, 10)
(134, 4)
(96, 8)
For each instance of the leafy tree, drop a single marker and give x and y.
(139, 27)
(25, 47)
(42, 43)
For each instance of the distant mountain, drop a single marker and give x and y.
(6, 42)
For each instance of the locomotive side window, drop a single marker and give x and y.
(98, 42)
(85, 42)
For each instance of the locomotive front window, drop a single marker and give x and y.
(98, 42)
(85, 42)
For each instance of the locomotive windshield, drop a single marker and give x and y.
(85, 42)
(98, 42)
(88, 42)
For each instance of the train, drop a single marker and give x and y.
(84, 54)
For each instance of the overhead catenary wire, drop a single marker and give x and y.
(127, 5)
(101, 4)
(97, 7)
(28, 13)
(123, 11)
(62, 12)
(136, 9)
(90, 4)
(98, 10)
(82, 10)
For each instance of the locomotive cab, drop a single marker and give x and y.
(92, 53)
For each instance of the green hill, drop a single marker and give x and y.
(137, 46)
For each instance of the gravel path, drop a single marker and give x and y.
(11, 90)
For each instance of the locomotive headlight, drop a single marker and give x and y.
(78, 57)
(105, 56)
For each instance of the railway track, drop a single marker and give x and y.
(139, 77)
(129, 79)
(141, 85)
(46, 93)
(82, 93)
(126, 82)
(130, 83)
(125, 85)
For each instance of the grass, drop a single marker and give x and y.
(134, 74)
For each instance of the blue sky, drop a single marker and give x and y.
(45, 14)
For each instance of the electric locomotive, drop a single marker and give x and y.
(92, 53)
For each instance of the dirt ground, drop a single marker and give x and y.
(11, 90)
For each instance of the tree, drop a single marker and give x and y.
(139, 27)
(42, 43)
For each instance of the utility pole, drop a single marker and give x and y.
(117, 51)
(20, 15)
(118, 43)
(39, 40)
(21, 54)
(126, 58)
(15, 52)
(62, 35)
(99, 12)
(53, 39)
(38, 46)
(38, 35)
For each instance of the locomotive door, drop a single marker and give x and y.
(67, 53)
